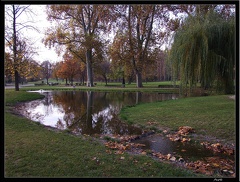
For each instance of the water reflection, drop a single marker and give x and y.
(189, 151)
(87, 112)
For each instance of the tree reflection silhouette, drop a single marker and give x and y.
(88, 112)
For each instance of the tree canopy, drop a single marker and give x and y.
(78, 30)
(204, 51)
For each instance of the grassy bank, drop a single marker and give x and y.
(160, 87)
(212, 115)
(103, 88)
(31, 150)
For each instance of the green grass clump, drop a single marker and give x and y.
(211, 115)
(13, 97)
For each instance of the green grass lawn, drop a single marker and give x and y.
(212, 115)
(31, 150)
(113, 86)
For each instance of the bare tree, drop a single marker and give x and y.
(13, 33)
(46, 70)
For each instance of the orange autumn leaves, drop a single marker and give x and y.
(209, 165)
(69, 68)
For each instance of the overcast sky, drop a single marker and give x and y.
(41, 23)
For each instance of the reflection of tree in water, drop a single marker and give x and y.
(96, 112)
(47, 102)
(84, 110)
(107, 122)
(73, 105)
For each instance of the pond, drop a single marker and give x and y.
(90, 113)
(87, 112)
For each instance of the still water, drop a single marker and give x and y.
(87, 112)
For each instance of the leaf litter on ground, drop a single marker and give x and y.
(209, 166)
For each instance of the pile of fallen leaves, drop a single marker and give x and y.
(121, 147)
(212, 165)
(217, 147)
(208, 166)
(169, 157)
(122, 143)
(181, 135)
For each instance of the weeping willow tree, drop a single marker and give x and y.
(204, 51)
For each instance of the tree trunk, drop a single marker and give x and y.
(123, 82)
(16, 74)
(139, 79)
(138, 97)
(89, 68)
(105, 78)
(89, 109)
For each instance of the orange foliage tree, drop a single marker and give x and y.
(78, 30)
(69, 68)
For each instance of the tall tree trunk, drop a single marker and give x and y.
(89, 110)
(16, 74)
(123, 81)
(138, 97)
(89, 68)
(105, 78)
(139, 79)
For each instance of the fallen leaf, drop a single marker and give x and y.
(94, 158)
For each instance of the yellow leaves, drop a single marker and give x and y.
(122, 144)
(185, 139)
(182, 131)
(215, 164)
(118, 146)
(211, 164)
(217, 147)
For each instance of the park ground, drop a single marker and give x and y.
(32, 150)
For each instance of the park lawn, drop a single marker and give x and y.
(112, 86)
(210, 116)
(32, 150)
